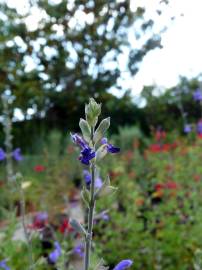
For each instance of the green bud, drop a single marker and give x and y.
(101, 130)
(92, 111)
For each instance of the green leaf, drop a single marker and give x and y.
(101, 152)
(84, 126)
(101, 130)
(106, 189)
(85, 194)
(78, 227)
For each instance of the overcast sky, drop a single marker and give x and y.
(181, 53)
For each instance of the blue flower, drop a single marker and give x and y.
(3, 265)
(187, 128)
(104, 216)
(87, 178)
(79, 141)
(123, 265)
(199, 127)
(17, 154)
(55, 254)
(2, 154)
(79, 250)
(98, 183)
(110, 148)
(86, 152)
(42, 216)
(104, 141)
(86, 155)
(197, 95)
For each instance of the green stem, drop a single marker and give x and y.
(88, 239)
(29, 242)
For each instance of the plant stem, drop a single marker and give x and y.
(29, 242)
(88, 239)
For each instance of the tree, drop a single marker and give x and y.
(74, 50)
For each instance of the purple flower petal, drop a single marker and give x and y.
(199, 127)
(78, 140)
(104, 141)
(3, 265)
(112, 149)
(187, 128)
(41, 216)
(55, 254)
(79, 250)
(98, 183)
(86, 155)
(197, 95)
(123, 265)
(87, 177)
(2, 154)
(17, 154)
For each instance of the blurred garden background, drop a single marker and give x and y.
(140, 59)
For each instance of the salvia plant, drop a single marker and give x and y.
(94, 146)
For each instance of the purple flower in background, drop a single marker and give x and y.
(41, 216)
(187, 128)
(123, 265)
(199, 127)
(79, 250)
(110, 148)
(2, 154)
(55, 254)
(87, 178)
(104, 216)
(86, 155)
(197, 95)
(98, 183)
(17, 154)
(3, 265)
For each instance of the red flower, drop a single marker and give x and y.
(197, 178)
(65, 226)
(171, 185)
(39, 221)
(39, 168)
(155, 148)
(159, 186)
(160, 135)
(1, 183)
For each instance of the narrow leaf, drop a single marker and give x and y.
(85, 194)
(101, 130)
(78, 227)
(85, 129)
(101, 152)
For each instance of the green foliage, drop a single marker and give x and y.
(155, 216)
(172, 108)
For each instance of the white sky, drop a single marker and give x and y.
(181, 54)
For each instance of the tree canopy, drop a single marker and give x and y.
(56, 54)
